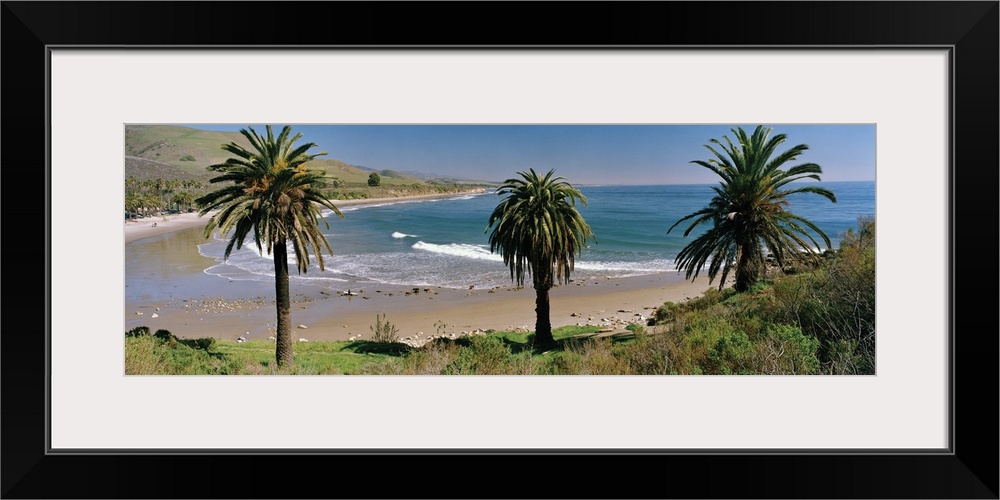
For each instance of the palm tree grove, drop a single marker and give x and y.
(758, 284)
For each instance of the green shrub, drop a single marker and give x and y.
(690, 339)
(152, 355)
(647, 354)
(598, 358)
(565, 363)
(139, 331)
(836, 303)
(666, 312)
(205, 344)
(142, 356)
(187, 158)
(524, 363)
(432, 358)
(844, 357)
(671, 311)
(730, 355)
(636, 328)
(757, 287)
(166, 337)
(711, 297)
(485, 355)
(785, 350)
(384, 332)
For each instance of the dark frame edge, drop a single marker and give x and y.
(974, 122)
(974, 78)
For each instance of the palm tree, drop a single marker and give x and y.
(539, 231)
(748, 213)
(131, 185)
(133, 203)
(169, 187)
(184, 198)
(159, 185)
(274, 196)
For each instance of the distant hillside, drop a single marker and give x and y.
(188, 149)
(170, 151)
(144, 169)
(351, 174)
(432, 178)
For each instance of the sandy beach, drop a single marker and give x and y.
(192, 304)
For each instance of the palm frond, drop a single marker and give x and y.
(536, 228)
(748, 210)
(266, 195)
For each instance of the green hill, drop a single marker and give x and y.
(144, 169)
(173, 151)
(187, 149)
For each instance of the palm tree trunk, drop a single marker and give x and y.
(747, 269)
(543, 327)
(283, 348)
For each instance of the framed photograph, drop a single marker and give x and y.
(927, 87)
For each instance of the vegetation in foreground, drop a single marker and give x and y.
(817, 320)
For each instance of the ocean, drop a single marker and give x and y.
(444, 243)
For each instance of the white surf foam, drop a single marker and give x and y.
(478, 252)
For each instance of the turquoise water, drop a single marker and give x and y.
(444, 243)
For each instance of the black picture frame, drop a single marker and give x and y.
(970, 29)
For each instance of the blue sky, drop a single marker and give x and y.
(583, 154)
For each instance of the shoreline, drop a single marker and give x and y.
(138, 229)
(176, 294)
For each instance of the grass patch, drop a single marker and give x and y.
(494, 353)
(524, 341)
(162, 355)
(707, 343)
(315, 357)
